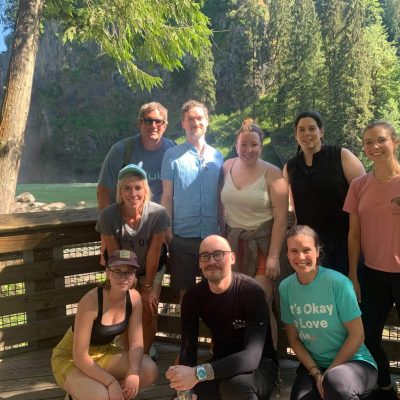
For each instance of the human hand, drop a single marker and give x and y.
(115, 391)
(181, 377)
(272, 268)
(130, 387)
(318, 381)
(150, 301)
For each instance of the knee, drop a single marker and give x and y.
(336, 387)
(148, 372)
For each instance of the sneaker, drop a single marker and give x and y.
(153, 353)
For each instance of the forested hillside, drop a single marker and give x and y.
(269, 59)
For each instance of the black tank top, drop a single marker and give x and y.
(319, 192)
(105, 334)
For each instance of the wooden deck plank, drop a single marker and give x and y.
(28, 376)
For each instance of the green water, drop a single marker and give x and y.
(69, 193)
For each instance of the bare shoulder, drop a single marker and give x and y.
(272, 172)
(352, 166)
(228, 164)
(135, 296)
(89, 302)
(346, 154)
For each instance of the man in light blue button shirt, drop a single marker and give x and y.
(191, 174)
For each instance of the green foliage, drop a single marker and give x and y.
(140, 36)
(391, 17)
(203, 80)
(268, 59)
(241, 52)
(302, 66)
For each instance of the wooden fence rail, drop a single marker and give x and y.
(48, 260)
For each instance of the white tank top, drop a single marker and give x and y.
(248, 207)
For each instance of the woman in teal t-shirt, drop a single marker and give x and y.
(323, 324)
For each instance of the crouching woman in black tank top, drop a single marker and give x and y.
(86, 363)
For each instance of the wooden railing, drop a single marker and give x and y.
(48, 261)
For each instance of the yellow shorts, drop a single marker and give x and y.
(62, 362)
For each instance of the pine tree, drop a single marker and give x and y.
(303, 83)
(242, 64)
(348, 78)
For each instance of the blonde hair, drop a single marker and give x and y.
(121, 182)
(249, 125)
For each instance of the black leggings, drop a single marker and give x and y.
(257, 385)
(379, 291)
(351, 380)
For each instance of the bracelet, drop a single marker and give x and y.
(209, 370)
(111, 382)
(311, 368)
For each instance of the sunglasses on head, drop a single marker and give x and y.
(150, 121)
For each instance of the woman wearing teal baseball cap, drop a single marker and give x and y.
(136, 223)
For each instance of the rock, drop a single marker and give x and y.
(53, 206)
(25, 197)
(20, 207)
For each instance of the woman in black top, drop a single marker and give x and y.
(86, 363)
(319, 176)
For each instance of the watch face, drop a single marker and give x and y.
(201, 373)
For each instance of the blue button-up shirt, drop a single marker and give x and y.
(195, 181)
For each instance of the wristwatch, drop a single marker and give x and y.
(201, 373)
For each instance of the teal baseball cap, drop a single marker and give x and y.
(134, 169)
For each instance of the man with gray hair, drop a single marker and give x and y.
(146, 150)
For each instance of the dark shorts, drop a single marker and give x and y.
(184, 261)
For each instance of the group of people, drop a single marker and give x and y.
(227, 221)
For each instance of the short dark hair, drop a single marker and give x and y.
(315, 115)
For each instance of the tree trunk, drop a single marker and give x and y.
(17, 97)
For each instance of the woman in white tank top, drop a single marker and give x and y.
(255, 197)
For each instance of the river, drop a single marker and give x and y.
(69, 193)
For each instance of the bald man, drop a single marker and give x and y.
(233, 306)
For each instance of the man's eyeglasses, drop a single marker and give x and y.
(116, 273)
(218, 255)
(150, 121)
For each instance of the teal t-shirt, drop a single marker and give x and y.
(318, 311)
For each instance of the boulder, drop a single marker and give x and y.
(25, 197)
(53, 206)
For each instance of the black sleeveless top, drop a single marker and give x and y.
(105, 334)
(319, 192)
